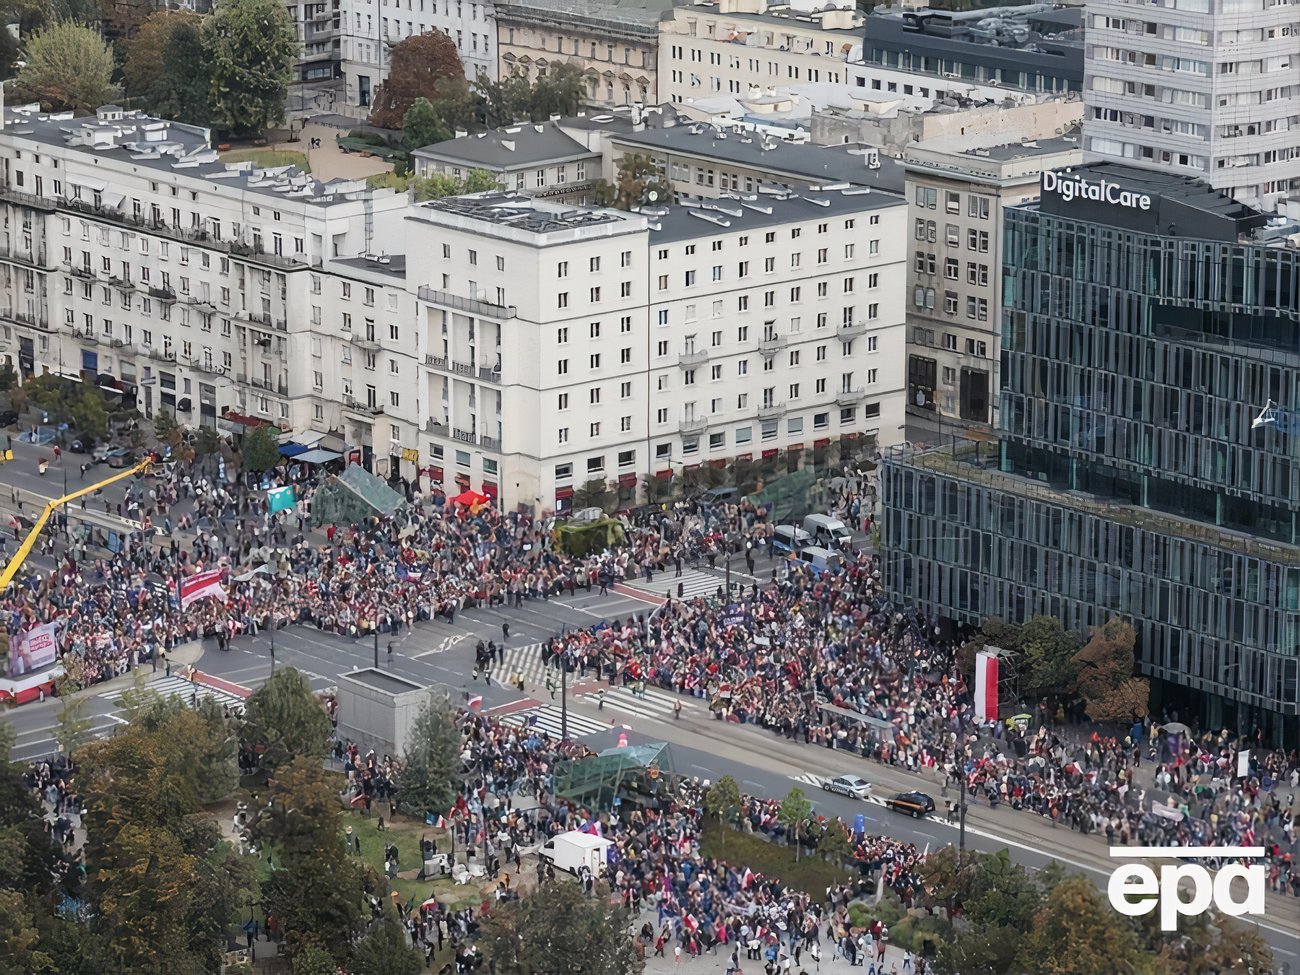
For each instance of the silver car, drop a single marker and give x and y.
(853, 786)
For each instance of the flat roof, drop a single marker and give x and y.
(511, 146)
(634, 13)
(392, 265)
(381, 680)
(510, 210)
(734, 213)
(805, 161)
(136, 139)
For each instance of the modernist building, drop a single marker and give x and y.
(133, 257)
(1205, 88)
(1145, 466)
(616, 44)
(368, 29)
(954, 327)
(730, 46)
(570, 345)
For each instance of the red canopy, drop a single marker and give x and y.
(470, 497)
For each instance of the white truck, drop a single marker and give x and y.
(574, 850)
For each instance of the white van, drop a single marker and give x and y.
(574, 850)
(821, 559)
(827, 531)
(788, 538)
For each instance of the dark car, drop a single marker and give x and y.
(719, 495)
(914, 804)
(8, 418)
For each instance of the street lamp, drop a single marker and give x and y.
(375, 630)
(564, 686)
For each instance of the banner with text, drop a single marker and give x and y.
(34, 650)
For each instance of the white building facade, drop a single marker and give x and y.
(566, 346)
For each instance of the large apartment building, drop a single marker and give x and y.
(729, 47)
(1204, 88)
(131, 254)
(571, 345)
(954, 323)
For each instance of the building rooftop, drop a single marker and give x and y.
(382, 681)
(390, 265)
(832, 19)
(140, 140)
(515, 215)
(689, 219)
(642, 14)
(1014, 160)
(803, 162)
(510, 147)
(1033, 28)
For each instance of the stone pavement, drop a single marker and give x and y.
(716, 964)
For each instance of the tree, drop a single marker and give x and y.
(252, 46)
(639, 180)
(1048, 650)
(1074, 933)
(561, 91)
(8, 378)
(440, 185)
(593, 494)
(167, 66)
(421, 125)
(559, 929)
(69, 67)
(1105, 674)
(834, 846)
(7, 738)
(794, 812)
(385, 951)
(503, 102)
(207, 442)
(260, 449)
(284, 720)
(88, 414)
(427, 776)
(419, 66)
(720, 800)
(73, 728)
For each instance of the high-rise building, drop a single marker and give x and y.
(1146, 464)
(1202, 88)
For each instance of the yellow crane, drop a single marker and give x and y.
(25, 549)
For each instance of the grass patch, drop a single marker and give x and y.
(405, 835)
(388, 181)
(268, 158)
(810, 874)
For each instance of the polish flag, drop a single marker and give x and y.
(746, 879)
(474, 702)
(201, 585)
(690, 924)
(986, 686)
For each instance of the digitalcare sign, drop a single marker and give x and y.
(1072, 186)
(1135, 890)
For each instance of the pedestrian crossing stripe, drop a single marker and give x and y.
(525, 661)
(655, 704)
(693, 582)
(179, 686)
(550, 719)
(807, 778)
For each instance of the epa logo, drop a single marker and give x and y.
(1135, 890)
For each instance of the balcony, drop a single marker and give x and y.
(433, 426)
(468, 436)
(484, 309)
(364, 343)
(771, 411)
(850, 397)
(23, 318)
(161, 294)
(10, 195)
(692, 427)
(693, 358)
(85, 272)
(847, 330)
(366, 411)
(772, 345)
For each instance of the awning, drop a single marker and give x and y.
(245, 421)
(490, 490)
(293, 449)
(627, 480)
(770, 453)
(563, 493)
(821, 444)
(665, 475)
(316, 457)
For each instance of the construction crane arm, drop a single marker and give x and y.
(25, 549)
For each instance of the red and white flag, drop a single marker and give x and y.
(474, 702)
(986, 686)
(201, 585)
(746, 879)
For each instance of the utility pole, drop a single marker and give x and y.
(727, 542)
(961, 817)
(376, 631)
(564, 685)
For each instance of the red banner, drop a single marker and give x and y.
(986, 686)
(200, 586)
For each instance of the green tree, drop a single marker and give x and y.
(8, 378)
(285, 721)
(260, 449)
(206, 442)
(69, 67)
(1048, 649)
(721, 799)
(88, 414)
(252, 46)
(834, 846)
(503, 102)
(1074, 932)
(559, 929)
(639, 180)
(384, 950)
(7, 738)
(426, 780)
(561, 91)
(480, 181)
(421, 125)
(310, 958)
(419, 66)
(167, 67)
(440, 185)
(794, 812)
(73, 728)
(1105, 674)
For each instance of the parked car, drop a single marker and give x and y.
(8, 418)
(719, 495)
(119, 457)
(914, 804)
(82, 445)
(853, 786)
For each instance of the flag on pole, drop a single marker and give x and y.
(281, 498)
(201, 585)
(986, 686)
(474, 702)
(746, 879)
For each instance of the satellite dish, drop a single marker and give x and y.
(652, 196)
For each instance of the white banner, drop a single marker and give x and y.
(34, 650)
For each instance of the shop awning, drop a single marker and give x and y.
(293, 449)
(316, 457)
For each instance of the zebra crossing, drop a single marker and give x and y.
(173, 685)
(549, 719)
(807, 778)
(655, 704)
(693, 582)
(526, 661)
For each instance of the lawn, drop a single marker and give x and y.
(810, 874)
(268, 158)
(405, 834)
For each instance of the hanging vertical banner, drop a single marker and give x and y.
(1243, 764)
(986, 686)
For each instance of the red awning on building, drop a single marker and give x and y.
(795, 448)
(770, 453)
(563, 493)
(490, 490)
(664, 475)
(819, 444)
(720, 463)
(248, 421)
(627, 480)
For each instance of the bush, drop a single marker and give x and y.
(370, 138)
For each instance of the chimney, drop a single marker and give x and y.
(638, 117)
(461, 133)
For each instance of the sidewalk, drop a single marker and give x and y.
(716, 964)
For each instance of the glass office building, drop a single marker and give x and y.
(1147, 462)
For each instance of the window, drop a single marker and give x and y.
(625, 356)
(717, 441)
(563, 472)
(595, 330)
(690, 278)
(625, 390)
(594, 360)
(594, 264)
(561, 336)
(562, 435)
(562, 401)
(562, 367)
(595, 465)
(952, 201)
(595, 430)
(562, 269)
(594, 395)
(626, 458)
(563, 299)
(595, 294)
(976, 347)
